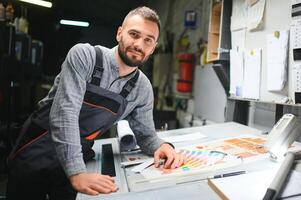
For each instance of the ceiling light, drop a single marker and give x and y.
(74, 23)
(39, 2)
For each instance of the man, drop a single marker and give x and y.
(95, 88)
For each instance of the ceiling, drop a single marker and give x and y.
(97, 12)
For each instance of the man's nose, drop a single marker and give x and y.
(139, 44)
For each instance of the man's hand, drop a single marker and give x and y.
(93, 183)
(173, 159)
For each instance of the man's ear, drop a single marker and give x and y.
(118, 35)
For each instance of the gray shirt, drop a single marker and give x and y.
(68, 92)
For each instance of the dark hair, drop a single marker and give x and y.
(146, 13)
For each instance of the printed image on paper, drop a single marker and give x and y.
(214, 155)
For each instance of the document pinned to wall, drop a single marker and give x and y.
(236, 72)
(277, 54)
(252, 2)
(239, 43)
(255, 15)
(239, 15)
(252, 74)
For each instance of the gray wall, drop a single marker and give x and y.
(209, 95)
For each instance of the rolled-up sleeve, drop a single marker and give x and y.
(66, 106)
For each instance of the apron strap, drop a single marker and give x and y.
(98, 69)
(130, 84)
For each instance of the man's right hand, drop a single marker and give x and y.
(93, 183)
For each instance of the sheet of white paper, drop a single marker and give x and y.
(239, 15)
(252, 2)
(238, 39)
(255, 15)
(129, 163)
(277, 51)
(295, 2)
(145, 164)
(184, 137)
(252, 73)
(236, 72)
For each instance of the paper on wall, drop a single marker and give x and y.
(238, 41)
(255, 15)
(252, 74)
(239, 15)
(277, 53)
(236, 72)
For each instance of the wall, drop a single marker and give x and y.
(210, 100)
(209, 95)
(277, 16)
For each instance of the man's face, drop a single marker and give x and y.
(137, 40)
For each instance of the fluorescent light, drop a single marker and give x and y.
(74, 23)
(39, 2)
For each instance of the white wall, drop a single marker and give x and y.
(210, 101)
(277, 17)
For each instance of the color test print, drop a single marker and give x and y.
(197, 159)
(243, 147)
(213, 155)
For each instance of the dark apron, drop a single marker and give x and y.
(35, 152)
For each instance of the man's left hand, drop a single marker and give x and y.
(173, 159)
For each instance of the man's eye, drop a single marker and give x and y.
(133, 34)
(148, 41)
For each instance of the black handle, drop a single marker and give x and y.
(269, 195)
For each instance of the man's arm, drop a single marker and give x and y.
(142, 123)
(64, 115)
(66, 106)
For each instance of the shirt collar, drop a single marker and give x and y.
(114, 64)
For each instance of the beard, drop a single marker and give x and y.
(128, 61)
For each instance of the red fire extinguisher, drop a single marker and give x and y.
(186, 61)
